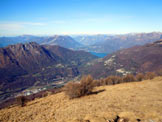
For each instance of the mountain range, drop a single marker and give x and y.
(31, 64)
(132, 60)
(111, 43)
(64, 41)
(91, 43)
(44, 61)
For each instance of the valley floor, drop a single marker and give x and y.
(136, 100)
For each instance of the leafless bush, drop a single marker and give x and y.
(140, 77)
(106, 81)
(73, 90)
(149, 75)
(97, 83)
(159, 72)
(128, 78)
(115, 79)
(21, 100)
(87, 84)
(82, 88)
(111, 80)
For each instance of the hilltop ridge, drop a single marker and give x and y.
(146, 58)
(135, 101)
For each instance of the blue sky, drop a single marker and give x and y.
(49, 17)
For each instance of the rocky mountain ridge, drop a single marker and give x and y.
(63, 41)
(101, 43)
(131, 60)
(111, 43)
(31, 64)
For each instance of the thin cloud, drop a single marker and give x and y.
(10, 26)
(58, 22)
(34, 23)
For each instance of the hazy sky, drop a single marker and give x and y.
(44, 17)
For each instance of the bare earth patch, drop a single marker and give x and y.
(132, 101)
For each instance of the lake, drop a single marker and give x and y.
(100, 55)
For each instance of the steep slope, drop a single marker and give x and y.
(132, 60)
(26, 65)
(28, 57)
(71, 56)
(136, 101)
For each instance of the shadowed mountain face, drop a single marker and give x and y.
(26, 65)
(132, 60)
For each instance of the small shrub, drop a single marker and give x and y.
(87, 84)
(159, 72)
(149, 75)
(107, 81)
(115, 79)
(73, 90)
(85, 87)
(96, 83)
(21, 100)
(128, 78)
(140, 77)
(44, 94)
(111, 80)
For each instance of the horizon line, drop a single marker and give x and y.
(75, 34)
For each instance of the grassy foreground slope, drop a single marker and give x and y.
(134, 101)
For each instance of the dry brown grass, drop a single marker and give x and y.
(135, 100)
